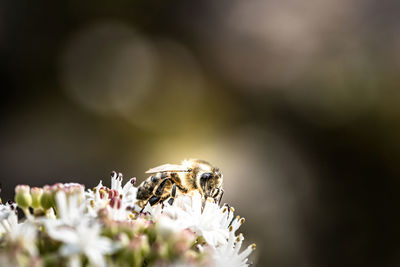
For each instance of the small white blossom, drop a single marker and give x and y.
(95, 200)
(85, 239)
(69, 209)
(22, 234)
(187, 212)
(214, 223)
(128, 192)
(230, 255)
(25, 234)
(8, 221)
(77, 232)
(117, 209)
(5, 218)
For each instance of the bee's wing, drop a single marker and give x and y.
(169, 168)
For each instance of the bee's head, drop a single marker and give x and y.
(209, 183)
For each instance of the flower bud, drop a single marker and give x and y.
(73, 188)
(36, 194)
(115, 203)
(22, 196)
(113, 193)
(47, 199)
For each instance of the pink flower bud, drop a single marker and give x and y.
(115, 203)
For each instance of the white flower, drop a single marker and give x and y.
(117, 210)
(25, 234)
(77, 232)
(5, 218)
(122, 199)
(21, 234)
(99, 198)
(214, 223)
(85, 239)
(69, 209)
(229, 255)
(128, 192)
(8, 221)
(187, 212)
(96, 200)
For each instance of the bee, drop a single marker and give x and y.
(169, 180)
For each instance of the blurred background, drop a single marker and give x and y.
(296, 101)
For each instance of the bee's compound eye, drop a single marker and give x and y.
(206, 176)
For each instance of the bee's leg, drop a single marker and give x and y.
(221, 193)
(173, 194)
(154, 200)
(160, 189)
(177, 181)
(156, 196)
(215, 194)
(159, 192)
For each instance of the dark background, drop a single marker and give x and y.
(296, 101)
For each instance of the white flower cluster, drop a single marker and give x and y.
(65, 225)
